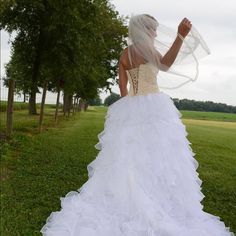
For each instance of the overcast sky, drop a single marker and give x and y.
(215, 20)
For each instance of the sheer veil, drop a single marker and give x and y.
(151, 40)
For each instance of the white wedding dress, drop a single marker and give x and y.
(143, 181)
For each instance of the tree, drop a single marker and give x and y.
(26, 18)
(95, 102)
(70, 46)
(186, 104)
(113, 97)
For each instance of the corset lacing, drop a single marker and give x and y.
(134, 78)
(142, 80)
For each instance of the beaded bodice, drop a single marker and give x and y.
(142, 80)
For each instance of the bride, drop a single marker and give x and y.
(143, 181)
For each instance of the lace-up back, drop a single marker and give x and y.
(142, 80)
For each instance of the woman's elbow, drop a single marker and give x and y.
(164, 68)
(123, 90)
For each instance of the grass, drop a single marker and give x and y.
(22, 122)
(208, 115)
(44, 167)
(19, 106)
(214, 143)
(39, 169)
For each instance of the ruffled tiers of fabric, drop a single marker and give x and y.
(143, 181)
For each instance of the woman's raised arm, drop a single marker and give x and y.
(169, 58)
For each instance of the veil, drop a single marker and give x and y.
(151, 40)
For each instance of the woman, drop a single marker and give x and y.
(143, 181)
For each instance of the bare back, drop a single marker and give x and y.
(138, 60)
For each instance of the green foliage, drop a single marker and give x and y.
(73, 45)
(95, 102)
(113, 97)
(192, 105)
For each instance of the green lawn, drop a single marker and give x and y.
(214, 143)
(24, 123)
(20, 105)
(207, 115)
(39, 169)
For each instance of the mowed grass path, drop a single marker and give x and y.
(48, 166)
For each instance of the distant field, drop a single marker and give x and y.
(208, 115)
(20, 106)
(17, 106)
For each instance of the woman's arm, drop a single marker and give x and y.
(168, 59)
(123, 78)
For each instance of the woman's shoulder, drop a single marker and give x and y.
(124, 59)
(124, 53)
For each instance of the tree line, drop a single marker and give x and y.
(70, 47)
(186, 104)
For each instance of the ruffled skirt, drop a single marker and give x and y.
(143, 181)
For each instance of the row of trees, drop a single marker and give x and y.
(192, 105)
(61, 46)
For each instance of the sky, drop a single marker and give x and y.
(216, 22)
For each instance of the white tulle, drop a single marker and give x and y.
(143, 181)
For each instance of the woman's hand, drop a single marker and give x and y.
(184, 27)
(168, 59)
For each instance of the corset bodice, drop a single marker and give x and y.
(142, 80)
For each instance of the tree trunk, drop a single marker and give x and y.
(24, 98)
(70, 103)
(32, 103)
(65, 103)
(57, 105)
(42, 106)
(79, 105)
(10, 102)
(85, 105)
(74, 105)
